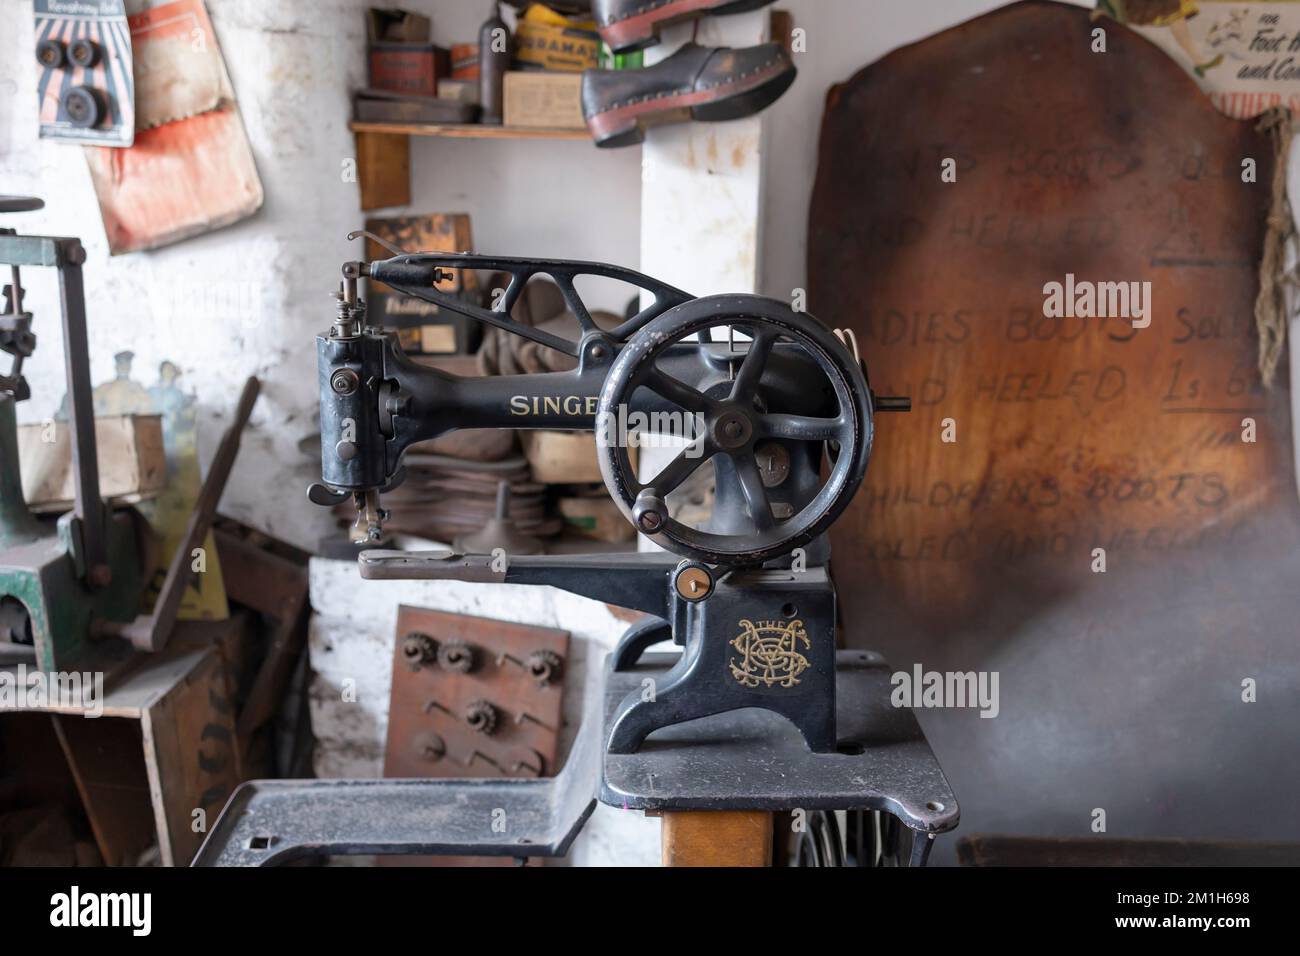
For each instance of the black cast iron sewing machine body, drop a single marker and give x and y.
(747, 594)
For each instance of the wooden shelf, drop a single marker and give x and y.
(468, 131)
(384, 153)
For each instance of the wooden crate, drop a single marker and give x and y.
(132, 464)
(162, 758)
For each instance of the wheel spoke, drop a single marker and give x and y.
(803, 427)
(751, 483)
(677, 392)
(751, 368)
(675, 472)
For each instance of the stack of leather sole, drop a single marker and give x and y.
(448, 498)
(451, 486)
(449, 495)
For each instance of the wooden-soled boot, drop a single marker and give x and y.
(696, 82)
(633, 24)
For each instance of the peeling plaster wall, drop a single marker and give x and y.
(250, 298)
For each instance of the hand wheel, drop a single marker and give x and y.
(739, 414)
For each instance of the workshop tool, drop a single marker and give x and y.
(785, 420)
(56, 580)
(69, 590)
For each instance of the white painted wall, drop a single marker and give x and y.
(250, 298)
(701, 190)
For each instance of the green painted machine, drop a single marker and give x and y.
(64, 584)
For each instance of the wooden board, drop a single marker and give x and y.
(191, 757)
(427, 732)
(1121, 690)
(431, 700)
(107, 763)
(467, 131)
(383, 169)
(717, 838)
(1071, 433)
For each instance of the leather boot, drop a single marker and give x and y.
(633, 24)
(696, 82)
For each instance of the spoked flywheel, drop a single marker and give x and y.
(787, 394)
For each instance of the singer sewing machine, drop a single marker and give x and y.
(759, 712)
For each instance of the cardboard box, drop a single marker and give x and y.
(132, 464)
(543, 100)
(546, 40)
(563, 458)
(440, 339)
(596, 518)
(397, 26)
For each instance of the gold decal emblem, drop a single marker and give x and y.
(769, 653)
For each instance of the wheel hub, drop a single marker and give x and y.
(731, 428)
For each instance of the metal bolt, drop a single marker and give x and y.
(481, 716)
(432, 748)
(344, 381)
(649, 512)
(544, 666)
(693, 583)
(456, 656)
(419, 649)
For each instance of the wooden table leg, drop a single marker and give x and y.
(717, 838)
